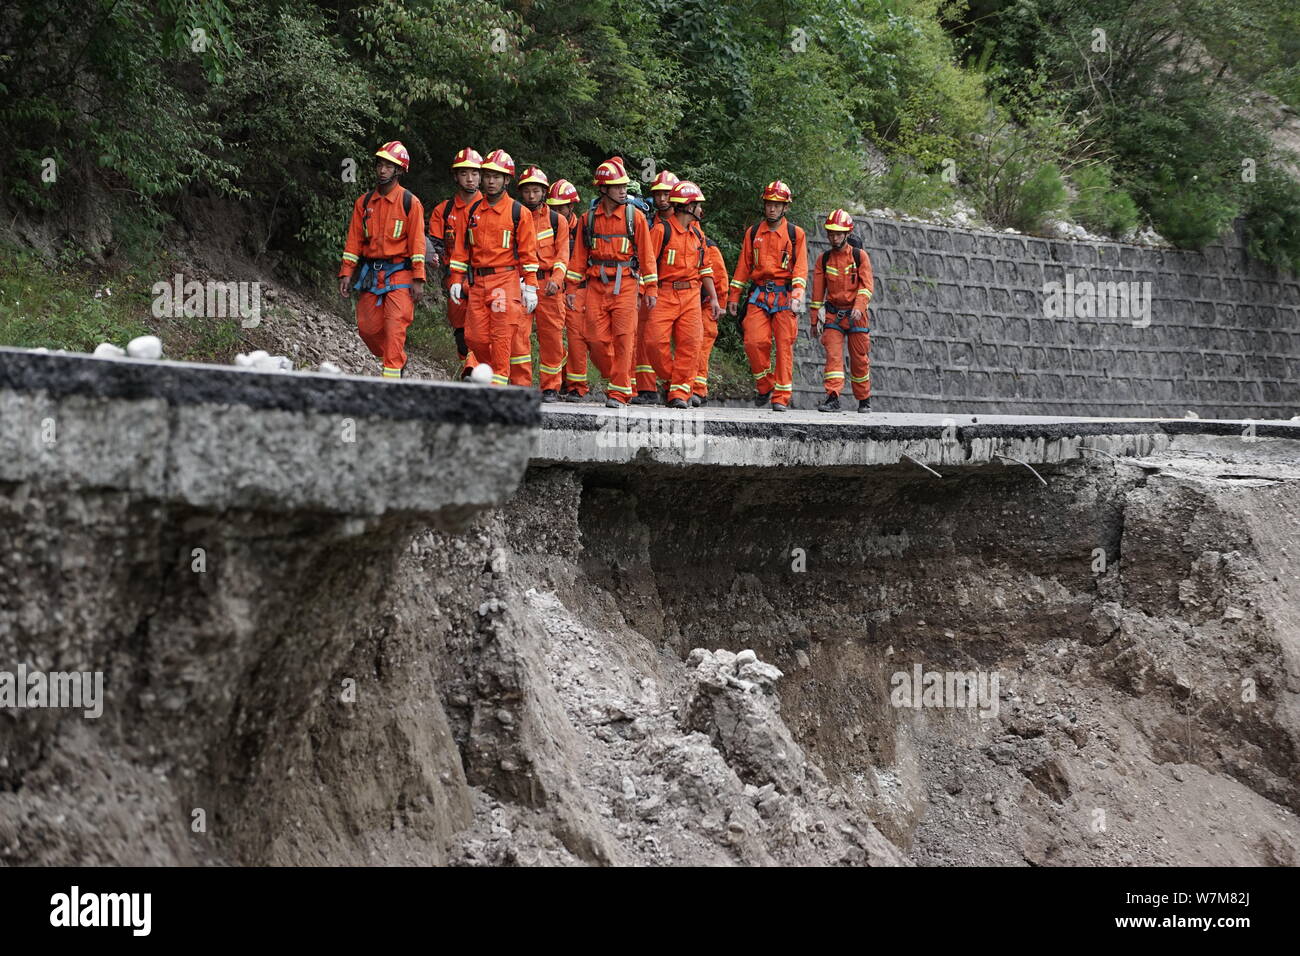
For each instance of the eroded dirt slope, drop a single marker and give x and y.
(529, 690)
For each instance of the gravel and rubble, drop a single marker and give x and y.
(624, 665)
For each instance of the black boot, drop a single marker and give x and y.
(697, 401)
(676, 403)
(645, 398)
(762, 398)
(572, 395)
(864, 405)
(550, 395)
(611, 402)
(831, 404)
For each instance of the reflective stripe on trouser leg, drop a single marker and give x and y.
(833, 343)
(495, 307)
(785, 329)
(701, 386)
(706, 350)
(860, 364)
(575, 363)
(758, 347)
(521, 351)
(382, 326)
(549, 317)
(644, 372)
(676, 320)
(611, 335)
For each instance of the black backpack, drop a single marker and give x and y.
(446, 208)
(856, 248)
(668, 232)
(573, 235)
(789, 229)
(407, 197)
(589, 235)
(753, 231)
(555, 220)
(515, 212)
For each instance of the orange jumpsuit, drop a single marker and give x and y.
(445, 219)
(777, 268)
(612, 289)
(575, 326)
(385, 245)
(675, 319)
(644, 370)
(489, 254)
(553, 259)
(842, 281)
(718, 265)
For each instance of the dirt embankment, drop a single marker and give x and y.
(525, 691)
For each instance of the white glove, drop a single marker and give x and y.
(455, 292)
(530, 298)
(796, 301)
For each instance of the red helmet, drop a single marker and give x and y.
(467, 158)
(777, 191)
(395, 152)
(839, 221)
(611, 173)
(499, 161)
(664, 180)
(561, 192)
(535, 176)
(686, 192)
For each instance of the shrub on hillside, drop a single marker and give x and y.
(1192, 214)
(1100, 205)
(1273, 218)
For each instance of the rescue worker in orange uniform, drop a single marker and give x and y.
(552, 231)
(646, 391)
(842, 289)
(444, 219)
(563, 198)
(774, 257)
(385, 249)
(496, 254)
(700, 388)
(683, 268)
(609, 235)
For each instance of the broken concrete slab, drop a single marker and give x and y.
(215, 438)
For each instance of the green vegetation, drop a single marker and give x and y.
(60, 308)
(1100, 204)
(120, 114)
(1159, 92)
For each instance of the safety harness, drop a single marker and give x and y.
(771, 296)
(589, 236)
(843, 321)
(376, 275)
